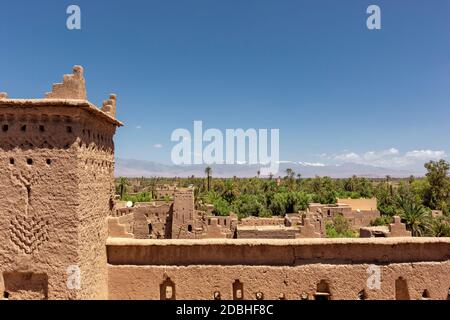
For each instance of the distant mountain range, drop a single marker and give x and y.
(144, 168)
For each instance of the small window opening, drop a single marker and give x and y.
(238, 290)
(362, 295)
(323, 291)
(425, 295)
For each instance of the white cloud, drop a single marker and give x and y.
(390, 157)
(348, 157)
(138, 127)
(157, 146)
(376, 155)
(426, 154)
(311, 164)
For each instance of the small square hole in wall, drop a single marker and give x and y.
(69, 129)
(48, 161)
(23, 128)
(5, 127)
(11, 160)
(29, 161)
(41, 128)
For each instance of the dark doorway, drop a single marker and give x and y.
(401, 289)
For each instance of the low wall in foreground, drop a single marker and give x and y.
(381, 268)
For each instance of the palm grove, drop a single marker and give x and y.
(413, 199)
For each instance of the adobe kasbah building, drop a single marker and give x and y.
(62, 236)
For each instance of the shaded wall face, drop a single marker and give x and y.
(96, 197)
(45, 212)
(266, 234)
(291, 269)
(306, 281)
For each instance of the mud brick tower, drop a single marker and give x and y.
(56, 190)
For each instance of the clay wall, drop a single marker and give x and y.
(275, 221)
(287, 269)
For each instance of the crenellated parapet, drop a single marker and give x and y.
(72, 87)
(109, 106)
(70, 93)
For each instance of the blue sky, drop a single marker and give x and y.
(337, 91)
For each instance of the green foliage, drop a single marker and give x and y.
(339, 228)
(123, 183)
(221, 207)
(416, 217)
(382, 221)
(440, 227)
(249, 205)
(324, 190)
(437, 196)
(140, 197)
(358, 187)
(279, 203)
(386, 196)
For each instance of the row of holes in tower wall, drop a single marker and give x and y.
(29, 161)
(100, 137)
(92, 164)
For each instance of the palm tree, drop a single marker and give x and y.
(123, 182)
(440, 227)
(416, 217)
(230, 191)
(290, 177)
(153, 188)
(289, 173)
(258, 173)
(208, 172)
